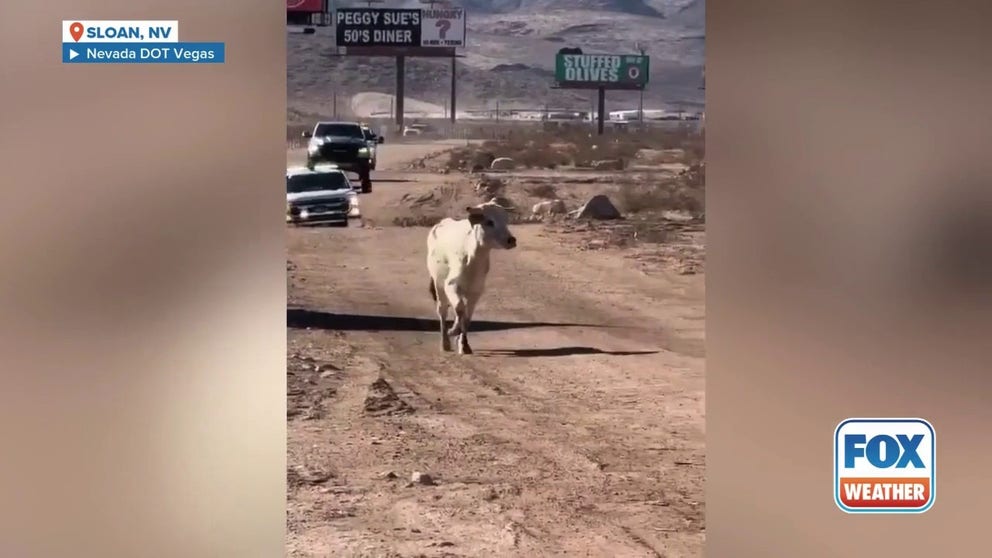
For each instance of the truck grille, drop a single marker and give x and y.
(339, 153)
(324, 206)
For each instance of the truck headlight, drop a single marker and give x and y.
(363, 151)
(353, 210)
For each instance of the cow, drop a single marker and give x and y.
(458, 261)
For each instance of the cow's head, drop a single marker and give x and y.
(490, 222)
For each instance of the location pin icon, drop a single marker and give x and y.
(76, 30)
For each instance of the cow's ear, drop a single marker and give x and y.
(476, 218)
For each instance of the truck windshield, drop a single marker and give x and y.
(315, 182)
(338, 129)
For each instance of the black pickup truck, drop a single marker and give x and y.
(344, 145)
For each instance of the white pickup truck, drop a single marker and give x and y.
(320, 194)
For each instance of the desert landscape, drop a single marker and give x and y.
(577, 427)
(509, 59)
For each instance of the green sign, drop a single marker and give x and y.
(611, 71)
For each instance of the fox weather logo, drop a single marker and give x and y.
(885, 465)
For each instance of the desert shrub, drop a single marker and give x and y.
(469, 157)
(417, 220)
(635, 198)
(543, 190)
(534, 148)
(695, 177)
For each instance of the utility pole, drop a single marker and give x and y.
(454, 80)
(602, 110)
(640, 103)
(454, 90)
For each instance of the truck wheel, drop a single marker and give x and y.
(366, 183)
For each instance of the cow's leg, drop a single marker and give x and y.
(470, 303)
(442, 316)
(458, 300)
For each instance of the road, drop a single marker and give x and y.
(576, 429)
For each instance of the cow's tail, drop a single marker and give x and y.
(433, 289)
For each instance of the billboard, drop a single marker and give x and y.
(377, 27)
(400, 28)
(609, 71)
(305, 6)
(442, 27)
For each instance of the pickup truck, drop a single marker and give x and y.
(322, 194)
(344, 145)
(373, 139)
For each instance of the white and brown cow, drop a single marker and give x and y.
(458, 261)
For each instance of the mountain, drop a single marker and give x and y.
(631, 7)
(509, 58)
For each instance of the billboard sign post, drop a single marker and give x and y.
(576, 70)
(443, 27)
(610, 71)
(376, 27)
(399, 33)
(305, 6)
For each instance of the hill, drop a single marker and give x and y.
(509, 58)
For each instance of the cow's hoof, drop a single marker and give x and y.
(465, 350)
(445, 346)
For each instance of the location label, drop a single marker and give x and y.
(76, 30)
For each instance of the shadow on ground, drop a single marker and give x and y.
(560, 351)
(298, 318)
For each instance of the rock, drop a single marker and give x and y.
(674, 168)
(389, 475)
(608, 164)
(382, 400)
(488, 186)
(422, 478)
(503, 163)
(598, 207)
(649, 155)
(423, 198)
(503, 202)
(550, 207)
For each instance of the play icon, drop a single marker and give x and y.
(72, 54)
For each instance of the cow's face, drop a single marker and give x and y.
(491, 224)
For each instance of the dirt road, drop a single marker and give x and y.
(577, 428)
